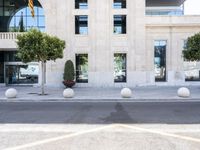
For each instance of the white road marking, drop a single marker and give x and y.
(162, 133)
(57, 138)
(141, 129)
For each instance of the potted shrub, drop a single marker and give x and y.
(69, 74)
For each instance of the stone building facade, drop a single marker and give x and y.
(118, 42)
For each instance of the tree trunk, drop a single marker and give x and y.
(43, 75)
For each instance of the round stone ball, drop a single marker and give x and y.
(11, 93)
(183, 92)
(126, 93)
(68, 93)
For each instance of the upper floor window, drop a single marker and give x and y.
(165, 11)
(118, 4)
(119, 24)
(81, 24)
(23, 21)
(81, 4)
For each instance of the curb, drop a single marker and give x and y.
(102, 100)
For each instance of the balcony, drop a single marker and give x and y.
(170, 21)
(8, 40)
(150, 3)
(165, 11)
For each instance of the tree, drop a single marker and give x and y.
(69, 74)
(69, 71)
(39, 47)
(191, 51)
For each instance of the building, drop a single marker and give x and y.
(111, 42)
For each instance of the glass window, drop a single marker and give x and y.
(22, 74)
(81, 24)
(191, 68)
(119, 67)
(81, 4)
(8, 2)
(28, 21)
(160, 60)
(119, 4)
(8, 10)
(10, 56)
(1, 67)
(82, 68)
(119, 24)
(1, 11)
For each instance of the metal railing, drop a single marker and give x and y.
(9, 35)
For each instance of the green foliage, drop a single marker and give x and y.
(192, 49)
(37, 46)
(69, 71)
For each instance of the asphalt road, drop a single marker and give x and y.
(99, 126)
(100, 113)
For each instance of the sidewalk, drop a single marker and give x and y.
(146, 94)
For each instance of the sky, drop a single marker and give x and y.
(192, 7)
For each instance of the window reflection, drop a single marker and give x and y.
(160, 60)
(23, 18)
(22, 74)
(81, 4)
(120, 67)
(81, 24)
(119, 24)
(119, 4)
(82, 68)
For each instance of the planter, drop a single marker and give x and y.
(69, 83)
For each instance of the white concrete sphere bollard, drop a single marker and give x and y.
(183, 92)
(126, 93)
(68, 93)
(11, 93)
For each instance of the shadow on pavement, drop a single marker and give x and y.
(99, 113)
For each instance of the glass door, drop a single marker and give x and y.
(21, 74)
(160, 60)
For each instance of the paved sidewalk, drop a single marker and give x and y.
(149, 93)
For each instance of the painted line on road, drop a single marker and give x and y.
(37, 143)
(187, 138)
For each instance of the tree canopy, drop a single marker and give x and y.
(37, 46)
(191, 51)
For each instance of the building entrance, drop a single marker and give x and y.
(21, 73)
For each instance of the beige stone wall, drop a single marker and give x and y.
(100, 43)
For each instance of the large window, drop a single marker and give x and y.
(23, 21)
(12, 71)
(15, 16)
(81, 25)
(120, 67)
(160, 60)
(191, 68)
(117, 4)
(22, 74)
(82, 68)
(81, 4)
(119, 24)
